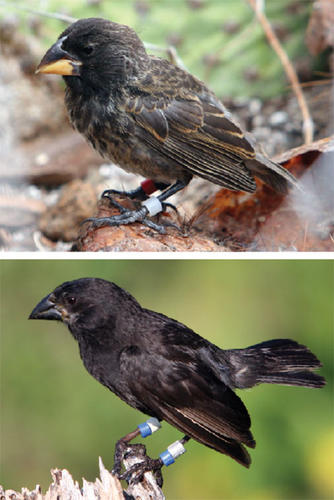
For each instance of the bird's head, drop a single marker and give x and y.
(67, 301)
(80, 304)
(94, 54)
(88, 306)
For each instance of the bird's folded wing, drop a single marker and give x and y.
(175, 391)
(207, 435)
(197, 133)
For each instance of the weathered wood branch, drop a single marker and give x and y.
(107, 487)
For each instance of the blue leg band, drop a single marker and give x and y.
(147, 428)
(173, 451)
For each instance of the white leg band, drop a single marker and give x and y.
(154, 424)
(173, 451)
(153, 205)
(176, 449)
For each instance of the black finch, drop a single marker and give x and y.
(151, 117)
(164, 369)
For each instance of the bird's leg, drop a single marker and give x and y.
(185, 439)
(120, 448)
(174, 188)
(156, 204)
(135, 473)
(141, 193)
(146, 429)
(151, 206)
(173, 451)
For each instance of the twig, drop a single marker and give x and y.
(288, 68)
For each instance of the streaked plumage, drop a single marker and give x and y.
(152, 117)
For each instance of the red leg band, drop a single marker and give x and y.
(148, 186)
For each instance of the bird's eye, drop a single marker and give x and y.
(71, 300)
(87, 50)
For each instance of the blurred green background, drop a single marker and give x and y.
(55, 415)
(220, 41)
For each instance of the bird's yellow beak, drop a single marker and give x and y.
(60, 67)
(59, 62)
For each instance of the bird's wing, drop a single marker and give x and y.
(191, 398)
(198, 133)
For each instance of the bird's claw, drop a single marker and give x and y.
(169, 205)
(107, 193)
(127, 217)
(134, 474)
(134, 194)
(113, 202)
(120, 448)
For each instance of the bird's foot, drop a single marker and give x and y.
(128, 216)
(133, 194)
(134, 474)
(124, 450)
(120, 448)
(135, 458)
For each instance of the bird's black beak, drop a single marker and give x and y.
(59, 62)
(46, 309)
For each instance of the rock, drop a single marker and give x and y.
(52, 161)
(139, 238)
(18, 210)
(278, 118)
(62, 221)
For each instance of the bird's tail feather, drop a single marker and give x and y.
(273, 174)
(221, 443)
(280, 361)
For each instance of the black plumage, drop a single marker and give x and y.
(164, 369)
(150, 116)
